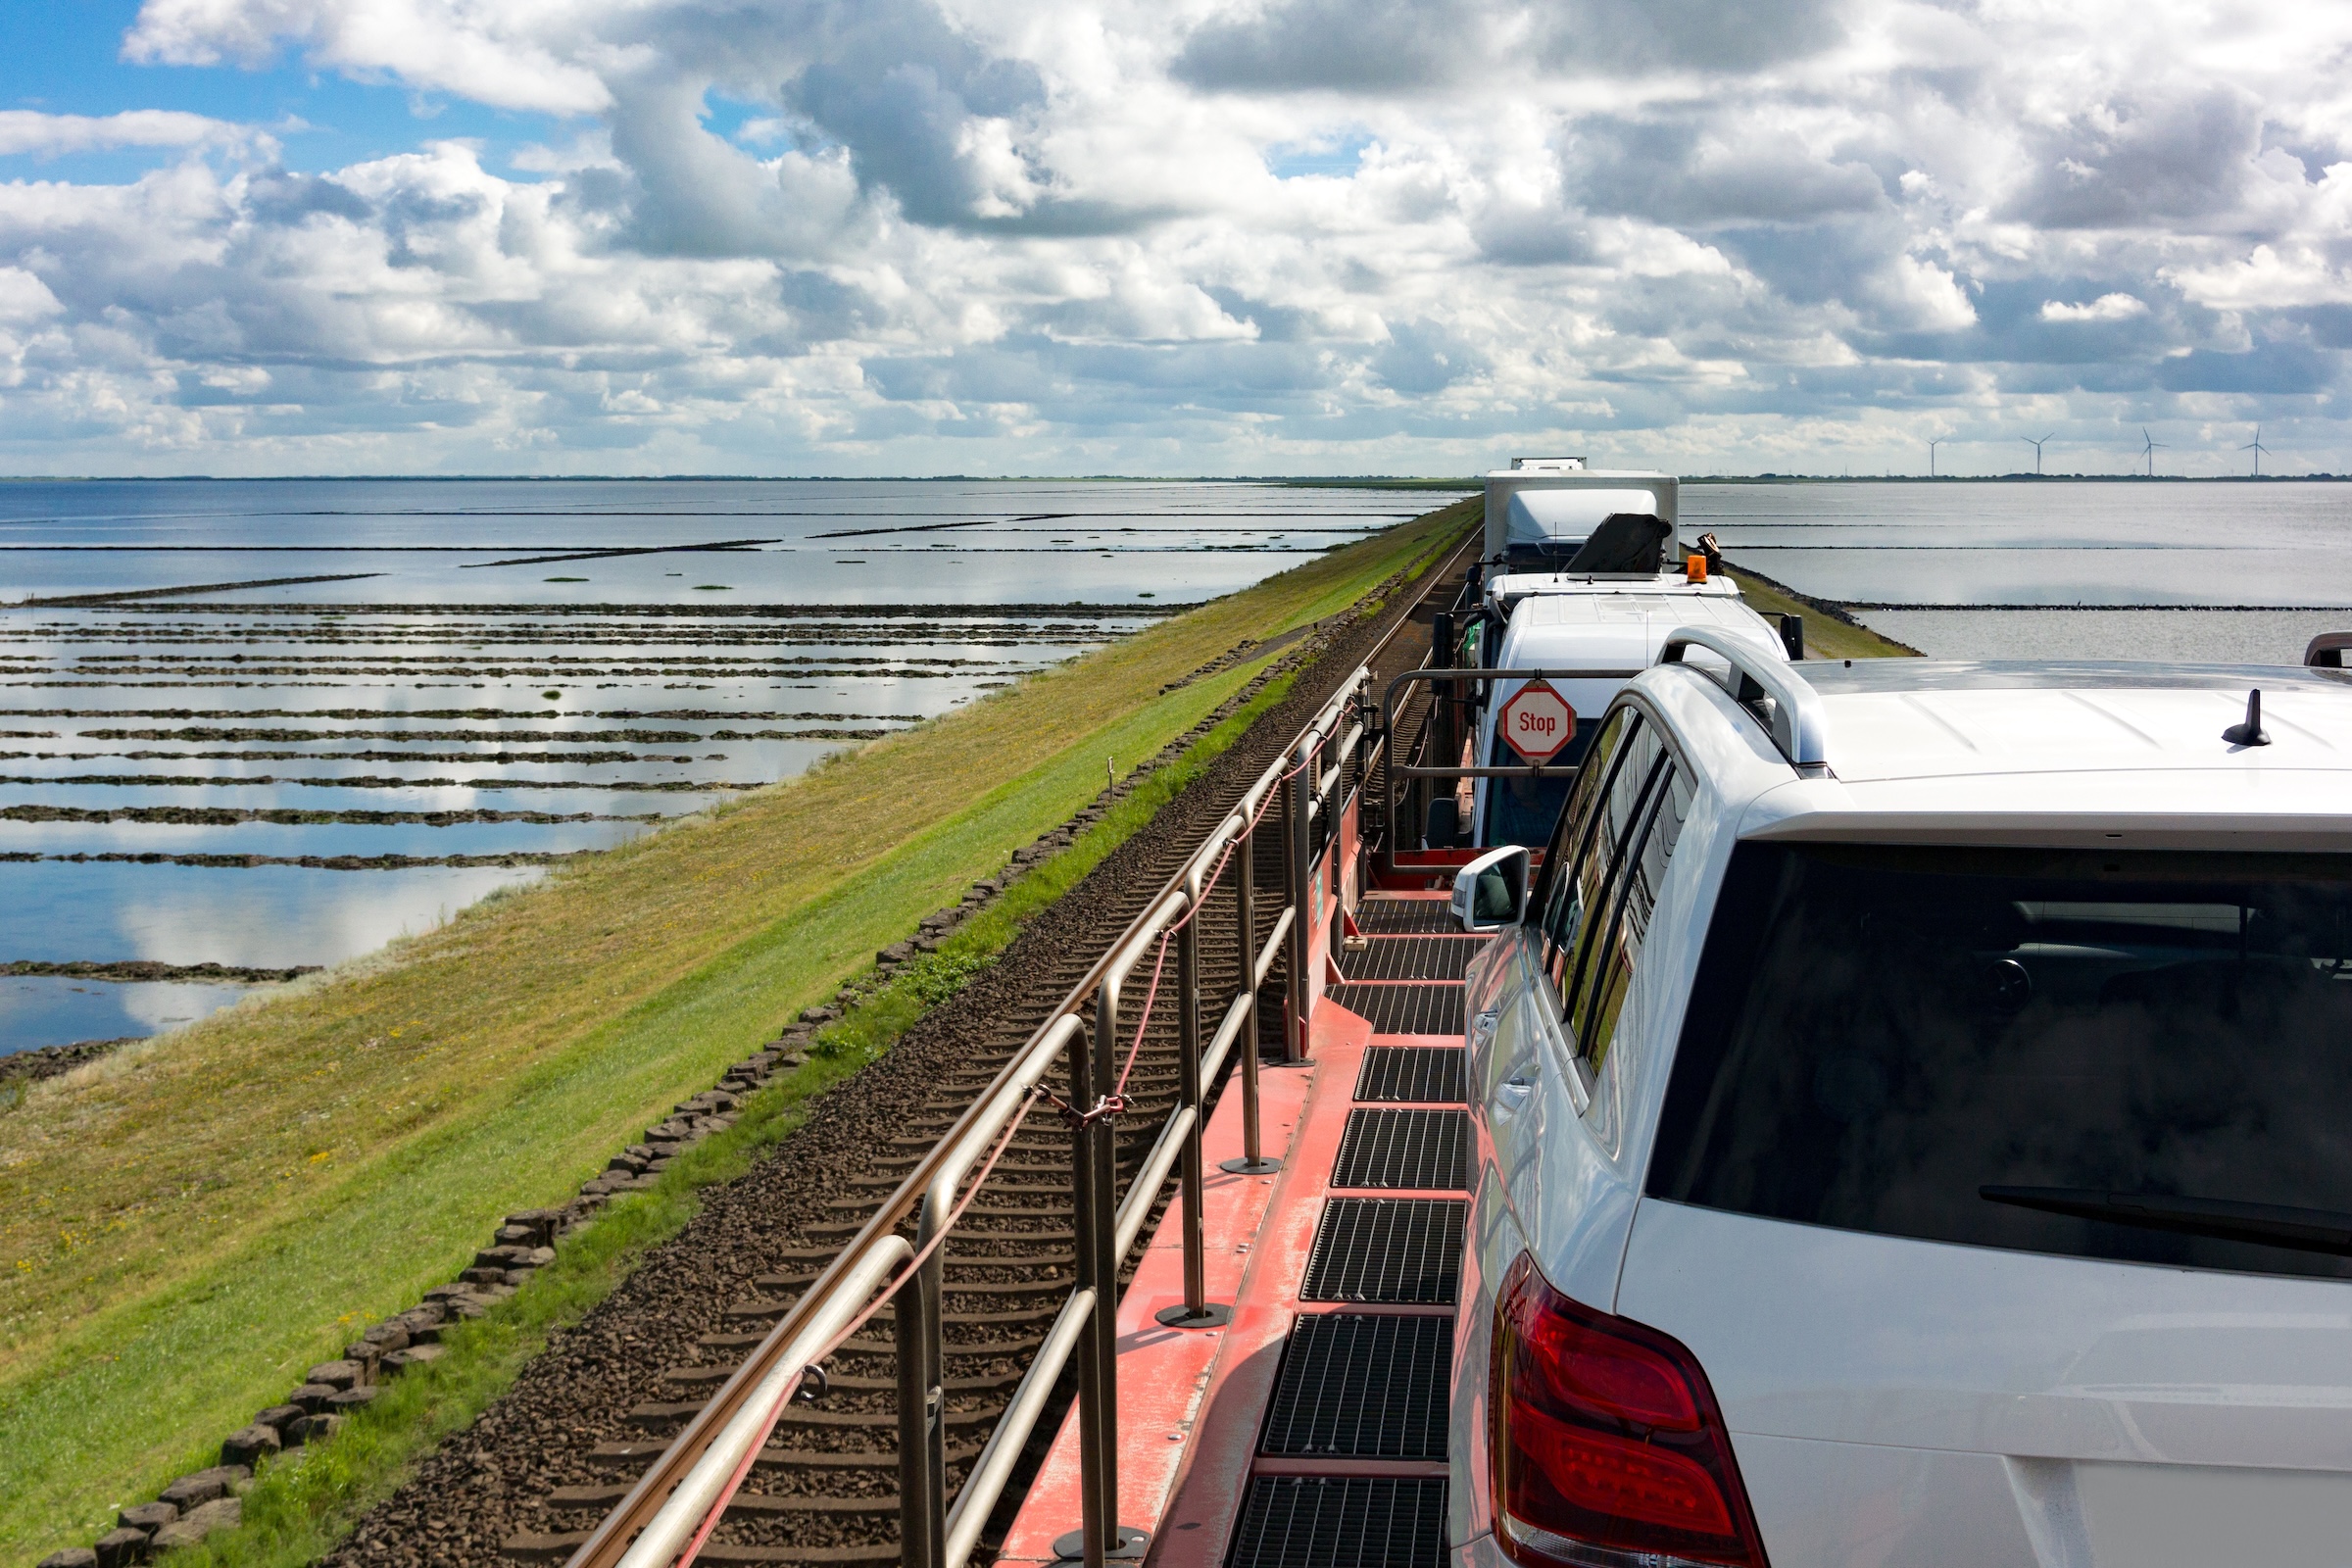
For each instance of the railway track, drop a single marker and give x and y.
(825, 1490)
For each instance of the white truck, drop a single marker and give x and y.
(1584, 575)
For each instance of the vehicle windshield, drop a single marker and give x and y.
(1523, 810)
(1877, 1034)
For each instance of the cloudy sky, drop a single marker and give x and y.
(1170, 236)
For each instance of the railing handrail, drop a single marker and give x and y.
(1449, 769)
(669, 1501)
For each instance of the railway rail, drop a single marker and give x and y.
(896, 1435)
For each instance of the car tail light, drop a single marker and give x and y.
(1608, 1449)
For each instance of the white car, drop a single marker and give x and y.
(1914, 1126)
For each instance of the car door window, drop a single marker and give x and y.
(1560, 898)
(1618, 838)
(1633, 898)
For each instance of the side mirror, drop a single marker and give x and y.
(1793, 636)
(1490, 891)
(1445, 827)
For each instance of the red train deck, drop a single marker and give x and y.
(1311, 1431)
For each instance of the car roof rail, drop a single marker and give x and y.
(1798, 722)
(2327, 650)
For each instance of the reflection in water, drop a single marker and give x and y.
(45, 1009)
(222, 776)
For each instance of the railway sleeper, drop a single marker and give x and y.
(883, 1422)
(742, 1502)
(1004, 1167)
(559, 1548)
(1014, 1212)
(952, 1317)
(1039, 1264)
(632, 1457)
(953, 1349)
(846, 1382)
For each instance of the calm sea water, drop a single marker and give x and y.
(289, 721)
(2281, 544)
(2243, 574)
(471, 678)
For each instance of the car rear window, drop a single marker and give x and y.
(1878, 1033)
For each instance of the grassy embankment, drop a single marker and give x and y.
(1827, 635)
(187, 1225)
(304, 1501)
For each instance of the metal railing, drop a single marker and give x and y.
(1426, 741)
(682, 1497)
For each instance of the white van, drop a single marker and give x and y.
(1584, 576)
(1598, 638)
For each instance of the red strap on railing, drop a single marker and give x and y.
(1144, 1019)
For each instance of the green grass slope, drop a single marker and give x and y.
(188, 1224)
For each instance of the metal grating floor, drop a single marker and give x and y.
(1407, 1010)
(1377, 916)
(1413, 959)
(1422, 1075)
(1354, 1386)
(1342, 1522)
(1425, 1151)
(1389, 1251)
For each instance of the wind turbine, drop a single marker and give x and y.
(2052, 436)
(1931, 446)
(2255, 447)
(2147, 449)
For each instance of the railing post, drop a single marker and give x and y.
(1296, 790)
(1360, 765)
(1093, 1195)
(1085, 1211)
(1254, 1161)
(1196, 1312)
(1442, 714)
(922, 1503)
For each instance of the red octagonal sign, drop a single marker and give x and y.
(1537, 721)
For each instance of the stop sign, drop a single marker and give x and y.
(1537, 721)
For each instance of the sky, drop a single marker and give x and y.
(1174, 237)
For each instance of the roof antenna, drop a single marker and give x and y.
(2249, 733)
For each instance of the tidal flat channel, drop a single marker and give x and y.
(272, 725)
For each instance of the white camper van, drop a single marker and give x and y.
(1541, 512)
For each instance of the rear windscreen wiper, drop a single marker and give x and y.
(2306, 1230)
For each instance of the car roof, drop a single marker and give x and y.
(1899, 718)
(1925, 746)
(1518, 585)
(1550, 611)
(1621, 632)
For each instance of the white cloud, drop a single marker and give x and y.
(965, 233)
(2106, 308)
(25, 130)
(516, 54)
(2267, 277)
(24, 297)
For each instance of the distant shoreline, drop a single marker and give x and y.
(1363, 481)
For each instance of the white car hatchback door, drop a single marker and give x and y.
(2004, 1196)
